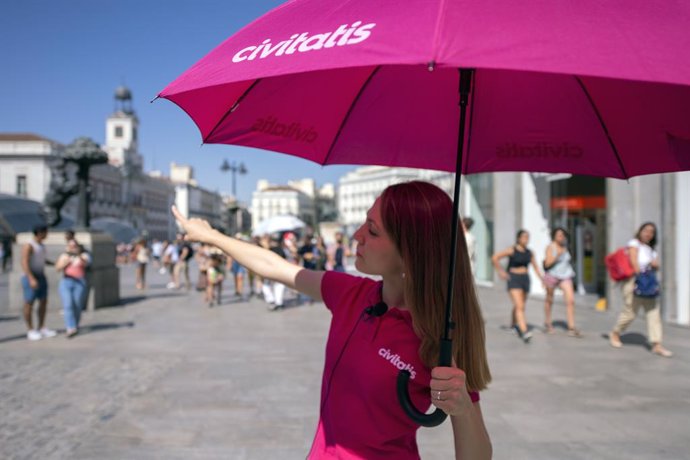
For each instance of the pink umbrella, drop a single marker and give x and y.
(595, 88)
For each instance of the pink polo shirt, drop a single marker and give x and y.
(360, 415)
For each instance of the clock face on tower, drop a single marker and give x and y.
(118, 132)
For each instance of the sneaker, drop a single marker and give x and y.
(47, 333)
(33, 334)
(527, 336)
(170, 285)
(71, 333)
(162, 271)
(615, 340)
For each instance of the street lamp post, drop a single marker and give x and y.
(234, 168)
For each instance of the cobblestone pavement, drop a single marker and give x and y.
(165, 377)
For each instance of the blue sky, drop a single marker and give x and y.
(62, 60)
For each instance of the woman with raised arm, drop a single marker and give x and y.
(381, 327)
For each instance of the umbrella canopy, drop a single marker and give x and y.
(597, 88)
(277, 224)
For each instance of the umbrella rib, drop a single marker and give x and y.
(232, 109)
(347, 115)
(603, 126)
(473, 93)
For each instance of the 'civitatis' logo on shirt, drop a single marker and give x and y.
(346, 34)
(395, 360)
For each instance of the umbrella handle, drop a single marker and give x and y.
(438, 416)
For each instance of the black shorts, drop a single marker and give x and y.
(519, 281)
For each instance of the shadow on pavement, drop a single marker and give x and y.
(129, 300)
(104, 327)
(633, 338)
(13, 338)
(91, 328)
(9, 318)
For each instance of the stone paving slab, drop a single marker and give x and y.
(165, 377)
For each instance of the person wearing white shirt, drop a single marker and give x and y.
(643, 257)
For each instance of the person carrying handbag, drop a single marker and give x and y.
(642, 290)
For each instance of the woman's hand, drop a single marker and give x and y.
(448, 390)
(195, 229)
(504, 275)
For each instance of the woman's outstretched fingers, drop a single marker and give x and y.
(195, 229)
(178, 215)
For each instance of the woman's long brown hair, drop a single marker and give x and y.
(418, 217)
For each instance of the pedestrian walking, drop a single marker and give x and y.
(141, 257)
(35, 285)
(517, 274)
(274, 290)
(308, 258)
(215, 275)
(379, 327)
(559, 273)
(181, 269)
(238, 272)
(73, 287)
(641, 291)
(339, 252)
(203, 261)
(320, 253)
(156, 253)
(170, 258)
(255, 281)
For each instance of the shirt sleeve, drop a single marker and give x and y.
(340, 290)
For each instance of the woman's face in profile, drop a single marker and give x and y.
(376, 252)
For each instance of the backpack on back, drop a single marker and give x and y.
(618, 265)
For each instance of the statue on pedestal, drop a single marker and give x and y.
(65, 182)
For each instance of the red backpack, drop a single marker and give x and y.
(618, 264)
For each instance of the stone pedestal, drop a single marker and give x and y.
(103, 275)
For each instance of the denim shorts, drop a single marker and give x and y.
(41, 291)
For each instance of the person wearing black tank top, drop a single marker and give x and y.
(517, 274)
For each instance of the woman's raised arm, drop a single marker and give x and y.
(257, 259)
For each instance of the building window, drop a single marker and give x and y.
(21, 185)
(118, 131)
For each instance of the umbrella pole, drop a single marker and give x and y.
(446, 346)
(465, 87)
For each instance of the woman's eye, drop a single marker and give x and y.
(372, 233)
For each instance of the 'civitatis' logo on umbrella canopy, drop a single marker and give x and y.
(539, 150)
(271, 125)
(346, 34)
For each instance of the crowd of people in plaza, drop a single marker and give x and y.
(173, 258)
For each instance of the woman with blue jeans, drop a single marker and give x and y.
(73, 288)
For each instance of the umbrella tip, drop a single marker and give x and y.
(154, 99)
(431, 66)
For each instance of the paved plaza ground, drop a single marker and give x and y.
(164, 377)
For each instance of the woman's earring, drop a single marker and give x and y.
(403, 275)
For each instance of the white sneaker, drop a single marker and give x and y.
(33, 334)
(162, 271)
(170, 285)
(47, 333)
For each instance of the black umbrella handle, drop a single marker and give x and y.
(438, 416)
